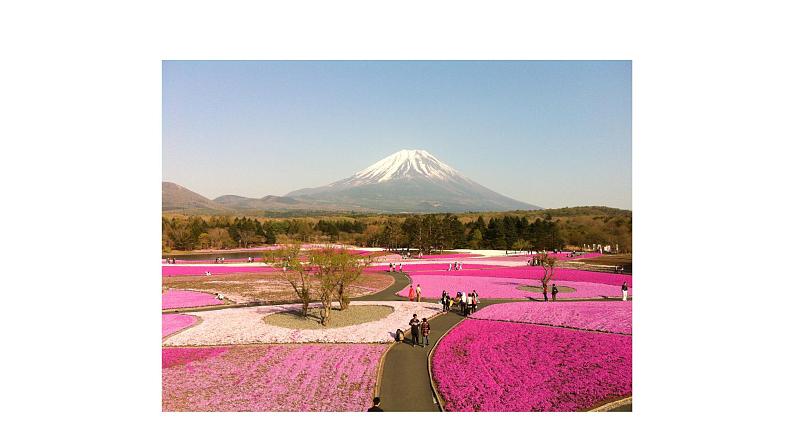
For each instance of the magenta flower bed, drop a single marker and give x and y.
(176, 299)
(291, 377)
(437, 267)
(452, 256)
(183, 270)
(496, 366)
(610, 316)
(488, 287)
(211, 261)
(177, 322)
(537, 272)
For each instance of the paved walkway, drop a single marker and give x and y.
(405, 383)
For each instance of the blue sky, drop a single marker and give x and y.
(552, 134)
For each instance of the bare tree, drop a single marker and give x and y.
(336, 270)
(548, 263)
(296, 272)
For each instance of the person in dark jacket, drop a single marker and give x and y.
(425, 333)
(554, 292)
(545, 292)
(375, 405)
(415, 323)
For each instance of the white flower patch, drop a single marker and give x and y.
(245, 325)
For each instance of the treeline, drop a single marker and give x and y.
(553, 229)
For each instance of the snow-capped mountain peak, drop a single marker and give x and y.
(407, 163)
(411, 180)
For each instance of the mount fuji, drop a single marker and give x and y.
(410, 181)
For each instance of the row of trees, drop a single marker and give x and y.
(436, 231)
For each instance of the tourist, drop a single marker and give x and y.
(625, 289)
(545, 292)
(401, 267)
(418, 293)
(391, 267)
(474, 302)
(375, 405)
(414, 330)
(425, 332)
(207, 273)
(399, 336)
(461, 266)
(411, 293)
(554, 292)
(450, 267)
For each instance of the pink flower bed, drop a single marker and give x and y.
(496, 366)
(438, 267)
(176, 322)
(211, 261)
(537, 272)
(452, 256)
(182, 270)
(176, 299)
(488, 287)
(611, 316)
(245, 325)
(271, 378)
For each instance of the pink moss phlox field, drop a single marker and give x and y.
(496, 366)
(452, 256)
(488, 287)
(438, 267)
(184, 270)
(212, 261)
(176, 299)
(245, 325)
(524, 272)
(176, 322)
(610, 316)
(184, 356)
(271, 378)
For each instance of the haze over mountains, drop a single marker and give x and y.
(406, 181)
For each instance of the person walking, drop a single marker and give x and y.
(554, 292)
(401, 267)
(375, 405)
(418, 293)
(425, 326)
(474, 302)
(545, 292)
(411, 293)
(625, 289)
(414, 330)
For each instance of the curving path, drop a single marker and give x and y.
(405, 383)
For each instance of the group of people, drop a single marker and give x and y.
(393, 267)
(170, 261)
(466, 302)
(417, 328)
(219, 260)
(457, 265)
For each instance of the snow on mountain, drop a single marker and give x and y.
(406, 163)
(411, 181)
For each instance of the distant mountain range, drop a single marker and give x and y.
(407, 181)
